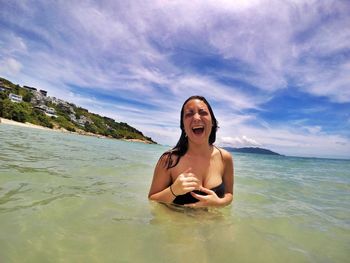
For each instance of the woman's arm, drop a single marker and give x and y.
(163, 190)
(160, 189)
(228, 177)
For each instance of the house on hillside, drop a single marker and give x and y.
(39, 99)
(43, 92)
(41, 107)
(64, 106)
(30, 88)
(3, 87)
(15, 98)
(56, 101)
(72, 117)
(82, 120)
(51, 112)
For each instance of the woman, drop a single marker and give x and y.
(194, 173)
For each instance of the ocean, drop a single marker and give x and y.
(72, 198)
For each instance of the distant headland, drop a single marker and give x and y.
(29, 105)
(251, 150)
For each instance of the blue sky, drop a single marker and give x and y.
(277, 73)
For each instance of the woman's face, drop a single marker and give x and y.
(197, 121)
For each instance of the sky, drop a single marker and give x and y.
(276, 73)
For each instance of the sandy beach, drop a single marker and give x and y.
(80, 132)
(27, 124)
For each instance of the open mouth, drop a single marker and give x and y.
(198, 130)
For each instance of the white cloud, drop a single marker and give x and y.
(313, 129)
(243, 141)
(195, 85)
(10, 67)
(327, 80)
(12, 45)
(111, 46)
(128, 50)
(294, 141)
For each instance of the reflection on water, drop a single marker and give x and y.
(69, 198)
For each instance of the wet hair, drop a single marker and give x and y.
(182, 145)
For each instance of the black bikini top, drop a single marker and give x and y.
(188, 198)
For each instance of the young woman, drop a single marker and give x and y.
(194, 173)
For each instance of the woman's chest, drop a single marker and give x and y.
(208, 170)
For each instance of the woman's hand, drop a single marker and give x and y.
(185, 182)
(211, 199)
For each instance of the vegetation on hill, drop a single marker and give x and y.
(251, 150)
(34, 109)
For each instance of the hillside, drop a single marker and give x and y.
(251, 150)
(28, 104)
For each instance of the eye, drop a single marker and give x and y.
(203, 112)
(189, 114)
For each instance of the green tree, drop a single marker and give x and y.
(4, 95)
(14, 111)
(28, 96)
(44, 120)
(90, 127)
(64, 123)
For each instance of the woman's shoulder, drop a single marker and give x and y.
(168, 157)
(225, 155)
(170, 154)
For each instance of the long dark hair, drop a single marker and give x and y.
(182, 145)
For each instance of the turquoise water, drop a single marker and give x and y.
(71, 198)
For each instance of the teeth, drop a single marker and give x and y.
(197, 127)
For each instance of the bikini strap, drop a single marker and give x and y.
(222, 158)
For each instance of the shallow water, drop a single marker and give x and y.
(71, 198)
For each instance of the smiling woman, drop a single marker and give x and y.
(195, 172)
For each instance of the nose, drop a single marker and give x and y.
(196, 116)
